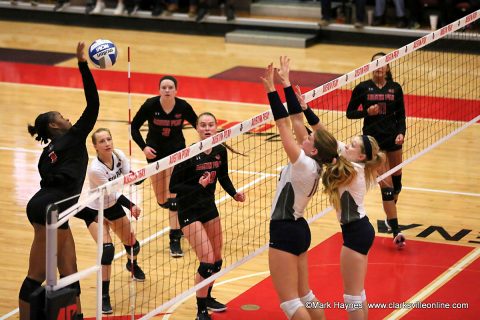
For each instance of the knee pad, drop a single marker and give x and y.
(397, 183)
(387, 194)
(165, 205)
(27, 288)
(291, 306)
(173, 204)
(205, 269)
(363, 295)
(75, 286)
(308, 297)
(217, 266)
(352, 303)
(136, 248)
(108, 254)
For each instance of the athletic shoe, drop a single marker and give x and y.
(201, 13)
(230, 12)
(399, 240)
(138, 274)
(106, 306)
(389, 229)
(60, 6)
(119, 9)
(175, 248)
(214, 305)
(203, 315)
(98, 7)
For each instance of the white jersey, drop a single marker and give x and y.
(297, 184)
(352, 195)
(99, 174)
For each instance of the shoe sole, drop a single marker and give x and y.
(176, 255)
(217, 310)
(138, 280)
(107, 312)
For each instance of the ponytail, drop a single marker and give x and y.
(378, 158)
(41, 127)
(339, 172)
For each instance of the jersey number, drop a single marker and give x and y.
(166, 132)
(213, 175)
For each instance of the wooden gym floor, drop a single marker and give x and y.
(440, 201)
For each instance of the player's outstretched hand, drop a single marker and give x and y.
(81, 56)
(267, 78)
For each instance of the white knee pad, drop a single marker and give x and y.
(308, 297)
(291, 306)
(363, 295)
(352, 303)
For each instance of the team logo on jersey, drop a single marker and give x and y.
(157, 114)
(391, 90)
(178, 115)
(119, 164)
(53, 156)
(217, 157)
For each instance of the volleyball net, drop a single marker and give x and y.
(440, 80)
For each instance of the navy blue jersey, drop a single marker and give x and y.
(391, 117)
(185, 177)
(63, 162)
(164, 130)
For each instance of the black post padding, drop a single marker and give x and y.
(61, 304)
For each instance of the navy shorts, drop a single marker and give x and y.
(203, 213)
(37, 206)
(358, 235)
(113, 213)
(387, 142)
(292, 236)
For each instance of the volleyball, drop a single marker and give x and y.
(103, 53)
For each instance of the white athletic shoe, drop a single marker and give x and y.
(399, 241)
(119, 9)
(98, 7)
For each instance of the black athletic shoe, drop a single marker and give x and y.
(230, 12)
(215, 306)
(201, 13)
(203, 315)
(106, 306)
(175, 248)
(138, 274)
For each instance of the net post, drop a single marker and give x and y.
(51, 247)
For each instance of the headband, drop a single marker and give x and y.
(368, 147)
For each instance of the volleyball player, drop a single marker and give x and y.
(383, 112)
(110, 164)
(289, 232)
(194, 181)
(165, 115)
(62, 167)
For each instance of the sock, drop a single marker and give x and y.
(201, 305)
(393, 223)
(105, 287)
(209, 295)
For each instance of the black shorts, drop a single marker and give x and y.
(387, 142)
(164, 152)
(37, 206)
(113, 213)
(203, 213)
(358, 235)
(292, 236)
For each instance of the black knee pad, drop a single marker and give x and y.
(136, 248)
(387, 194)
(217, 266)
(27, 288)
(165, 205)
(173, 204)
(397, 183)
(205, 269)
(75, 286)
(108, 254)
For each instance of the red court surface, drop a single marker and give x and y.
(393, 276)
(231, 90)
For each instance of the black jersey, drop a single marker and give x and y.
(164, 130)
(185, 177)
(63, 163)
(391, 117)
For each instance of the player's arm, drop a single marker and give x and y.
(311, 117)
(355, 101)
